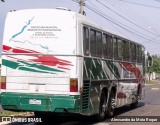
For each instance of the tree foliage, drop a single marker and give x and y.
(156, 65)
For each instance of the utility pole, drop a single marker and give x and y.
(81, 4)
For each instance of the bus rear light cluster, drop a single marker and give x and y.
(3, 82)
(73, 85)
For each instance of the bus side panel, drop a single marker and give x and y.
(128, 86)
(91, 88)
(97, 75)
(123, 75)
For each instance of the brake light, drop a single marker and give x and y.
(73, 85)
(3, 82)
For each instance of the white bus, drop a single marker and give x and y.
(59, 61)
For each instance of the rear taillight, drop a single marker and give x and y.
(3, 82)
(73, 85)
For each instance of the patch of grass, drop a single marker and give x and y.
(11, 113)
(157, 74)
(152, 82)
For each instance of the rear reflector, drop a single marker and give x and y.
(3, 82)
(73, 85)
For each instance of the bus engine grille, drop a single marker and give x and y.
(85, 96)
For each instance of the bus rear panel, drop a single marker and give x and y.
(39, 62)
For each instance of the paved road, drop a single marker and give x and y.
(150, 106)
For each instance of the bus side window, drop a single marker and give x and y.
(133, 52)
(86, 41)
(104, 45)
(99, 44)
(126, 53)
(115, 46)
(109, 45)
(93, 42)
(119, 42)
(139, 54)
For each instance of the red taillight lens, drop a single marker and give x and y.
(3, 82)
(73, 85)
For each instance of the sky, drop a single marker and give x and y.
(138, 20)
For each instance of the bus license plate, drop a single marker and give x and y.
(34, 101)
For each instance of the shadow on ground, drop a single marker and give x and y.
(75, 119)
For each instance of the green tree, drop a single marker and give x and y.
(156, 65)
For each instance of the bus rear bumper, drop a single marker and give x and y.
(36, 102)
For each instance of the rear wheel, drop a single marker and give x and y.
(111, 104)
(102, 107)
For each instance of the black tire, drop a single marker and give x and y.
(102, 107)
(111, 105)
